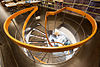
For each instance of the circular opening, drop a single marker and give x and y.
(61, 49)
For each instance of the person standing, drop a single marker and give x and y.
(61, 3)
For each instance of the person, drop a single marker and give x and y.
(61, 3)
(67, 42)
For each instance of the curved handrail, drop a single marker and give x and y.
(92, 21)
(49, 49)
(26, 21)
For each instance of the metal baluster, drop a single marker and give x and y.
(73, 3)
(55, 19)
(44, 56)
(16, 28)
(19, 33)
(83, 18)
(47, 59)
(55, 22)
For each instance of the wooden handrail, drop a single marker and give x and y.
(49, 49)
